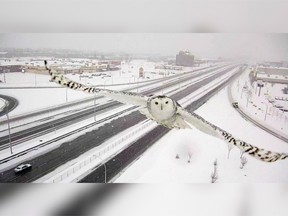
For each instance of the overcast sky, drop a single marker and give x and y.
(254, 46)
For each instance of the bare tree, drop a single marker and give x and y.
(243, 162)
(189, 157)
(249, 94)
(214, 174)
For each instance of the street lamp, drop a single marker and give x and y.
(8, 123)
(266, 110)
(35, 79)
(105, 175)
(66, 94)
(94, 107)
(248, 95)
(238, 86)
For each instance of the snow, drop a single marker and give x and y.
(2, 103)
(32, 143)
(258, 105)
(72, 170)
(158, 164)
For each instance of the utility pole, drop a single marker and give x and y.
(8, 123)
(10, 144)
(94, 107)
(105, 170)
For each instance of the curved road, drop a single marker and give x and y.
(247, 117)
(12, 104)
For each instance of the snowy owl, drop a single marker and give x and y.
(167, 112)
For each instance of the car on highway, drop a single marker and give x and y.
(235, 104)
(22, 168)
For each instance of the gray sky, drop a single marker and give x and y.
(253, 46)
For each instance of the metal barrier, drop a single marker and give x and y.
(81, 164)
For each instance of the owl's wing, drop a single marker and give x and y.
(208, 128)
(121, 96)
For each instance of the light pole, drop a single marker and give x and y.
(66, 94)
(35, 79)
(8, 123)
(4, 78)
(137, 84)
(94, 107)
(266, 110)
(105, 175)
(238, 86)
(9, 132)
(249, 94)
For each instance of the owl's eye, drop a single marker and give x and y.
(166, 102)
(156, 103)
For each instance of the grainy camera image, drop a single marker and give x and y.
(133, 111)
(145, 199)
(181, 97)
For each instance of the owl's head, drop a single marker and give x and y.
(162, 107)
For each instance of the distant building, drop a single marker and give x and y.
(275, 64)
(11, 68)
(272, 74)
(111, 65)
(141, 72)
(273, 71)
(184, 58)
(169, 67)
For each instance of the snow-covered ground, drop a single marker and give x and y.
(259, 107)
(159, 163)
(2, 103)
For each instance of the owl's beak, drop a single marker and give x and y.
(161, 107)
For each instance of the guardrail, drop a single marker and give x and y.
(96, 156)
(65, 135)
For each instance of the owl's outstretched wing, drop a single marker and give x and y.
(208, 128)
(121, 96)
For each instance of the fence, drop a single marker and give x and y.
(83, 163)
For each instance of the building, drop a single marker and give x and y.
(169, 67)
(273, 71)
(11, 68)
(141, 72)
(111, 65)
(272, 75)
(184, 59)
(275, 64)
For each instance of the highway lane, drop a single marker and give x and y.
(72, 149)
(47, 127)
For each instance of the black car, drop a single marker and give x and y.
(23, 168)
(235, 105)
